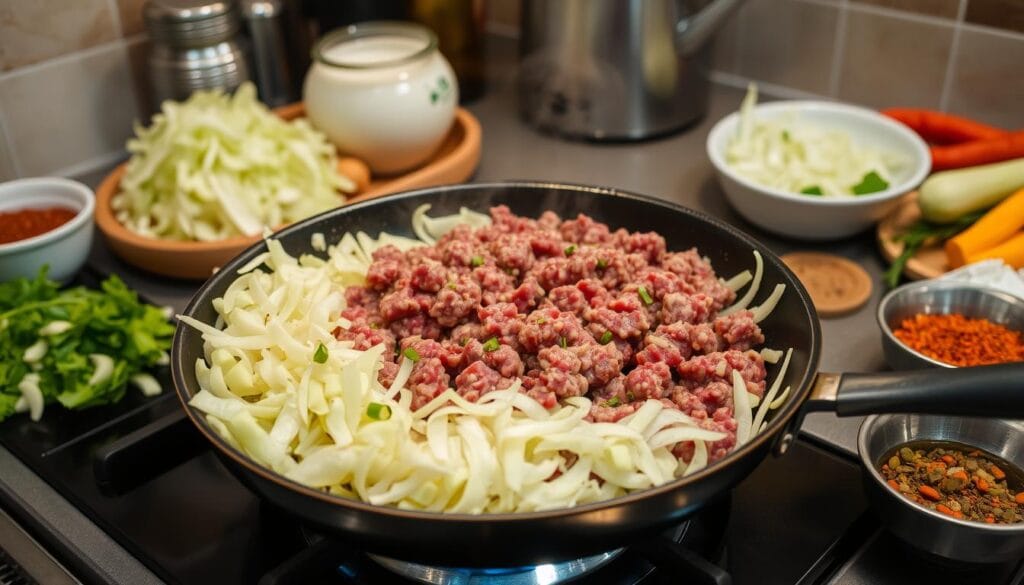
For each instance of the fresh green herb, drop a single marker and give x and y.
(606, 337)
(107, 327)
(871, 183)
(644, 295)
(570, 250)
(491, 344)
(563, 342)
(541, 321)
(477, 261)
(919, 233)
(451, 286)
(378, 411)
(411, 354)
(602, 264)
(812, 190)
(630, 396)
(612, 402)
(463, 341)
(320, 355)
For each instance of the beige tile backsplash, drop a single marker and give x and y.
(72, 73)
(893, 61)
(788, 42)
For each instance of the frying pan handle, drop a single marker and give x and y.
(994, 391)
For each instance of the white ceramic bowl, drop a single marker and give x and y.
(807, 217)
(64, 248)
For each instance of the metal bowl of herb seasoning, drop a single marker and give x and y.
(950, 486)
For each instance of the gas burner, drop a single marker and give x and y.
(547, 574)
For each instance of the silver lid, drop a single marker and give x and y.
(190, 23)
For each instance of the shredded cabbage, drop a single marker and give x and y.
(796, 157)
(217, 166)
(265, 388)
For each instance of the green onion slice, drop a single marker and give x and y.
(606, 337)
(320, 355)
(477, 261)
(613, 402)
(644, 295)
(563, 342)
(569, 251)
(491, 344)
(411, 354)
(378, 411)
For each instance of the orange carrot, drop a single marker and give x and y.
(981, 484)
(961, 475)
(1011, 251)
(930, 493)
(997, 473)
(944, 509)
(1019, 498)
(941, 128)
(978, 152)
(893, 484)
(948, 459)
(995, 227)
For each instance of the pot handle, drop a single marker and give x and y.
(696, 30)
(994, 391)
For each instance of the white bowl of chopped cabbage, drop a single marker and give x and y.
(814, 170)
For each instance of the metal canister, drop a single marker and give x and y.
(264, 21)
(195, 46)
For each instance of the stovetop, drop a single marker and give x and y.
(143, 475)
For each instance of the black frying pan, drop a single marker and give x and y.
(517, 539)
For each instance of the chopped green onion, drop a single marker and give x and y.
(569, 251)
(871, 183)
(563, 342)
(378, 411)
(477, 261)
(812, 190)
(320, 355)
(613, 402)
(541, 321)
(491, 344)
(602, 264)
(606, 337)
(411, 354)
(644, 295)
(464, 341)
(451, 286)
(630, 396)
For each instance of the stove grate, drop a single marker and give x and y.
(11, 572)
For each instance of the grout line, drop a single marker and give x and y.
(996, 32)
(115, 15)
(64, 59)
(900, 14)
(839, 50)
(954, 57)
(5, 138)
(779, 91)
(93, 164)
(501, 29)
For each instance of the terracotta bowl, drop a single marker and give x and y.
(454, 162)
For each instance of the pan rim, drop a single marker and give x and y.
(778, 423)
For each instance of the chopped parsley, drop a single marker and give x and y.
(602, 264)
(570, 250)
(491, 344)
(411, 354)
(612, 402)
(606, 337)
(477, 261)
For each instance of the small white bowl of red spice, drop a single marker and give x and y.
(44, 221)
(950, 324)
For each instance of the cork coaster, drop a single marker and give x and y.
(836, 285)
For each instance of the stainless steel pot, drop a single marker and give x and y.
(926, 529)
(616, 69)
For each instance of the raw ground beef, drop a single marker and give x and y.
(570, 308)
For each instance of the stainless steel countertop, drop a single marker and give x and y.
(673, 168)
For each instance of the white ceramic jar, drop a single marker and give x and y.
(381, 91)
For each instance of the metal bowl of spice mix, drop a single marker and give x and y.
(949, 486)
(950, 324)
